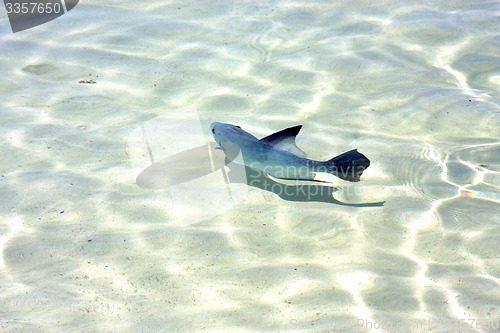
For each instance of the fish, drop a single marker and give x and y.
(278, 155)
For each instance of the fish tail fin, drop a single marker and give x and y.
(347, 166)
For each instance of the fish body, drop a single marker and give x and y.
(279, 156)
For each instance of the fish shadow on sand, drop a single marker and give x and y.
(314, 193)
(194, 163)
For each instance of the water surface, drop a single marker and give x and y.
(413, 86)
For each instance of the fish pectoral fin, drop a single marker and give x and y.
(285, 139)
(297, 179)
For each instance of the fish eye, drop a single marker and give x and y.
(238, 126)
(213, 131)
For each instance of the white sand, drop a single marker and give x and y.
(414, 87)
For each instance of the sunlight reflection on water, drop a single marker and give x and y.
(86, 244)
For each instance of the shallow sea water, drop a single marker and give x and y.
(86, 244)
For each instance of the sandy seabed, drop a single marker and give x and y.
(95, 98)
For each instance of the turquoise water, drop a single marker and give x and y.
(93, 238)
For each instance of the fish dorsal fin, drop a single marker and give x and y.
(285, 139)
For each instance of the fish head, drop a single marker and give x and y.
(229, 137)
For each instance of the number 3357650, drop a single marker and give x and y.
(32, 8)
